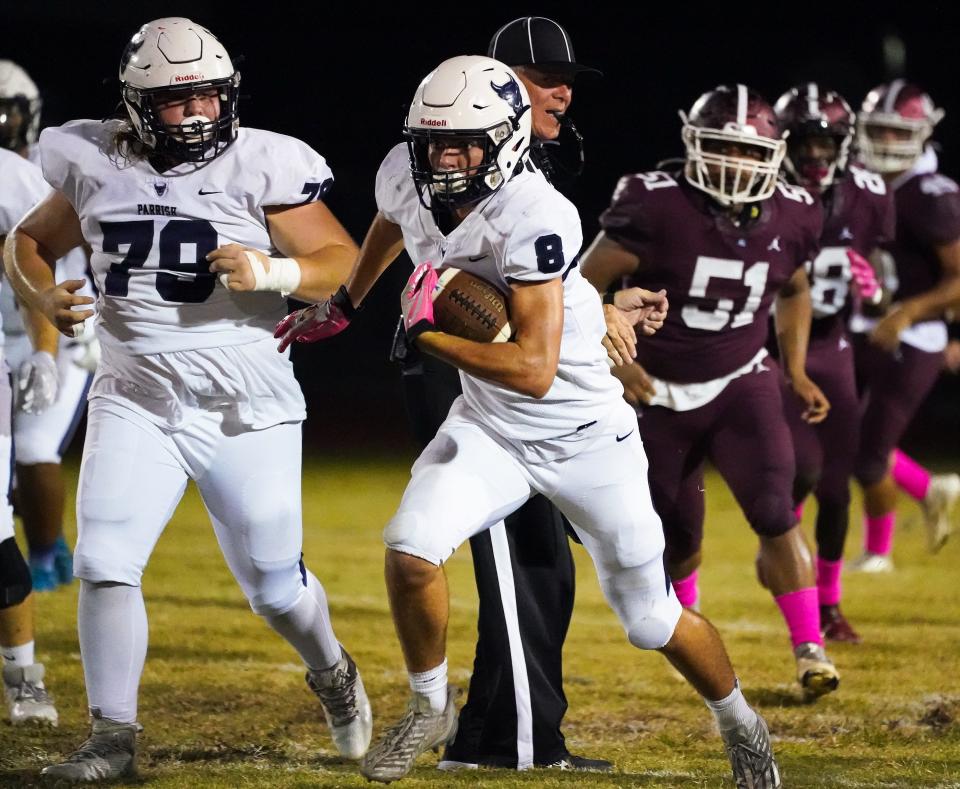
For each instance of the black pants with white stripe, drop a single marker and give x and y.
(525, 580)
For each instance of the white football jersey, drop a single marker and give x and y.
(21, 188)
(73, 265)
(526, 232)
(150, 232)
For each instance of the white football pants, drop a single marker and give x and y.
(134, 474)
(468, 479)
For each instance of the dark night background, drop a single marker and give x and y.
(339, 77)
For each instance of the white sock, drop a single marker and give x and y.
(21, 656)
(432, 684)
(112, 623)
(733, 711)
(307, 627)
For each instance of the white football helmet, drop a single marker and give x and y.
(468, 97)
(174, 54)
(20, 106)
(907, 110)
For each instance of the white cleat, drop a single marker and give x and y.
(815, 671)
(108, 754)
(872, 563)
(419, 730)
(27, 699)
(942, 495)
(751, 757)
(345, 706)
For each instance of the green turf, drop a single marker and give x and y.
(223, 702)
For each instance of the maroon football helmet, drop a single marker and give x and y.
(806, 111)
(734, 145)
(895, 122)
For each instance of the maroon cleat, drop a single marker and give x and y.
(835, 626)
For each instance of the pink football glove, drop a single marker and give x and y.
(416, 301)
(316, 322)
(864, 278)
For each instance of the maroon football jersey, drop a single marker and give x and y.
(859, 214)
(928, 215)
(721, 279)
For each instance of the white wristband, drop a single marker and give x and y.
(283, 276)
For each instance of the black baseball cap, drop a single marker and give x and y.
(535, 41)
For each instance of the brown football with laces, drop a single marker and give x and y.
(470, 307)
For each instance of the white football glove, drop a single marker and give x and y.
(85, 353)
(38, 383)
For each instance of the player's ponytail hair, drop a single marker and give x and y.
(126, 143)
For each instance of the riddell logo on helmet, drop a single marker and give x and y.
(432, 122)
(187, 77)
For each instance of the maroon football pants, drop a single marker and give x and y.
(743, 432)
(825, 453)
(893, 387)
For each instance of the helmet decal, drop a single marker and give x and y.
(510, 93)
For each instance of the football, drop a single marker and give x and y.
(470, 307)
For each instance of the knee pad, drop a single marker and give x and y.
(407, 533)
(277, 590)
(771, 515)
(33, 453)
(15, 582)
(644, 600)
(656, 629)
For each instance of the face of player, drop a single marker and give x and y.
(888, 133)
(11, 123)
(732, 150)
(175, 107)
(812, 157)
(550, 92)
(455, 153)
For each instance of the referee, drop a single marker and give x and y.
(523, 567)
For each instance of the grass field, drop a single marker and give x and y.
(223, 702)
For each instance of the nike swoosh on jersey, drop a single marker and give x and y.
(201, 192)
(476, 258)
(624, 438)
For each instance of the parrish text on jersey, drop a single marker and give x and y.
(721, 278)
(150, 232)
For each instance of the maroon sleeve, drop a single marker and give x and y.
(886, 226)
(627, 220)
(813, 228)
(938, 220)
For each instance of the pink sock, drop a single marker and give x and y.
(828, 581)
(878, 536)
(802, 614)
(798, 511)
(688, 593)
(912, 478)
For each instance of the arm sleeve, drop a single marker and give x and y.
(814, 231)
(394, 183)
(886, 219)
(543, 243)
(627, 219)
(939, 221)
(304, 177)
(58, 158)
(23, 188)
